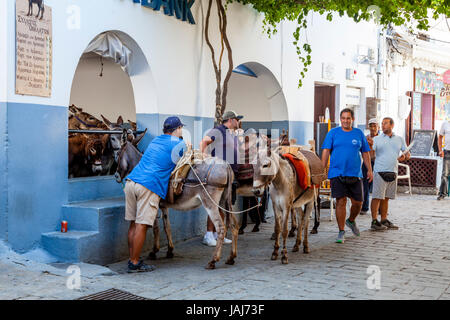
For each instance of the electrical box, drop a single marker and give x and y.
(350, 74)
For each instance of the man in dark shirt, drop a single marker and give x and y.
(221, 142)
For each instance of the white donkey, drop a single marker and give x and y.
(286, 194)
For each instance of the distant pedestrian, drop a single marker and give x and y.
(444, 152)
(387, 147)
(367, 186)
(346, 145)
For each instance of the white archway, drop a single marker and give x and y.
(256, 94)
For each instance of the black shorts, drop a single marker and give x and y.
(341, 190)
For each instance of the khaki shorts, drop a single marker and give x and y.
(382, 189)
(141, 204)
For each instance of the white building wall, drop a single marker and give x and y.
(180, 62)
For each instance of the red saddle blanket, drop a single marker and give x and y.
(300, 167)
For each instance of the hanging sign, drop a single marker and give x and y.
(180, 8)
(33, 48)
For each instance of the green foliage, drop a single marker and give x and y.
(413, 13)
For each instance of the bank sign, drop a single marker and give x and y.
(180, 8)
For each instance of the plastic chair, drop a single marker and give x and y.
(406, 176)
(325, 191)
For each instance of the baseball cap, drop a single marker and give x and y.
(373, 120)
(230, 114)
(172, 123)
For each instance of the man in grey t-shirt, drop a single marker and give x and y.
(387, 147)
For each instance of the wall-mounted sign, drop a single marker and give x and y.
(353, 96)
(417, 110)
(328, 71)
(180, 8)
(33, 48)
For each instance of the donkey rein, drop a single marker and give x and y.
(215, 203)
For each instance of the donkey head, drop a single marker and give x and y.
(266, 167)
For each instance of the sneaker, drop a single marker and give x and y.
(353, 227)
(364, 212)
(209, 241)
(377, 226)
(340, 237)
(225, 240)
(139, 267)
(441, 196)
(389, 224)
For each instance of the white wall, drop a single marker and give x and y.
(110, 95)
(247, 98)
(180, 72)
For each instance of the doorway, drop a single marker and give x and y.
(324, 97)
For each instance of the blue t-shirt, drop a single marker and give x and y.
(157, 163)
(345, 152)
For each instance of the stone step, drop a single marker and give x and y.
(92, 188)
(97, 232)
(71, 246)
(94, 215)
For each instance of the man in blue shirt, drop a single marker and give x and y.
(147, 184)
(387, 147)
(346, 144)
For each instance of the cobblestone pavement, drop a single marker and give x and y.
(414, 262)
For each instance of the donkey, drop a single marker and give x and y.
(80, 120)
(40, 4)
(216, 177)
(286, 194)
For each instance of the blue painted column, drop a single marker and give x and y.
(37, 171)
(3, 173)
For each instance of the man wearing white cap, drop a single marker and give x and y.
(374, 130)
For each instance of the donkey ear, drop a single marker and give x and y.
(119, 121)
(139, 138)
(107, 122)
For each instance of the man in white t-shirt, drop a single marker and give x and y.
(444, 153)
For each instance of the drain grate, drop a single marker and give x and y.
(112, 294)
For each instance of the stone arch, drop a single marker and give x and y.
(255, 92)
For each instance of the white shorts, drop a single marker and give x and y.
(382, 189)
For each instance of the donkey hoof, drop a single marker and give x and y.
(291, 234)
(295, 249)
(152, 256)
(305, 249)
(274, 256)
(169, 255)
(230, 261)
(211, 266)
(284, 260)
(272, 237)
(314, 231)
